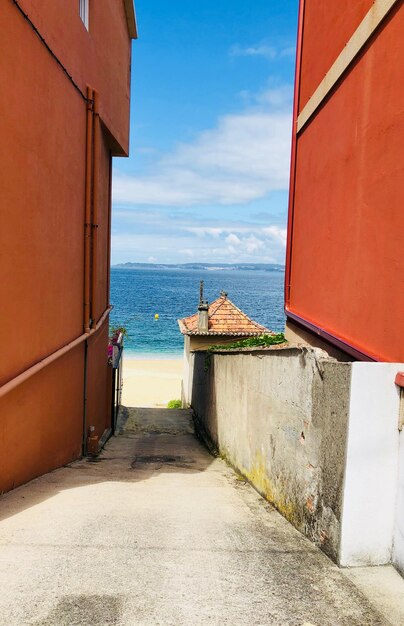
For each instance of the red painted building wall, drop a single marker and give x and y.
(47, 61)
(345, 257)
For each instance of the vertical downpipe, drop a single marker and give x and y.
(107, 295)
(87, 214)
(84, 442)
(87, 253)
(94, 224)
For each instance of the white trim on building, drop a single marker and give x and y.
(84, 12)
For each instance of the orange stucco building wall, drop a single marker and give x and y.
(47, 61)
(345, 258)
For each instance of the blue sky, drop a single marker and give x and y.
(207, 176)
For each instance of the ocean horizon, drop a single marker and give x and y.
(138, 294)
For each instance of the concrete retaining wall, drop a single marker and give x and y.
(280, 418)
(317, 437)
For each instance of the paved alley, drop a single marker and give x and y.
(158, 532)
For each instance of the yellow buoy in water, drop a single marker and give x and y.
(156, 316)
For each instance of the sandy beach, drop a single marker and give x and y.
(151, 382)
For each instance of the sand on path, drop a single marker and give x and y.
(151, 382)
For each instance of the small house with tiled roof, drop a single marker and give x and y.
(220, 322)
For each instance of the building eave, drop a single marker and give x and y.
(131, 18)
(218, 333)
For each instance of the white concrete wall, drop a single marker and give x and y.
(370, 487)
(398, 545)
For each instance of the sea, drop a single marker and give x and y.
(140, 295)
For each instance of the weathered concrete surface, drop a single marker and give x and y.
(157, 531)
(384, 586)
(280, 417)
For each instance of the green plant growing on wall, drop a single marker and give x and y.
(249, 342)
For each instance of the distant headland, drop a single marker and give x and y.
(266, 267)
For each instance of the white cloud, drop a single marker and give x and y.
(243, 159)
(275, 97)
(276, 233)
(253, 244)
(201, 231)
(250, 244)
(232, 239)
(290, 51)
(262, 50)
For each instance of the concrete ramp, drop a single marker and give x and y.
(156, 531)
(170, 421)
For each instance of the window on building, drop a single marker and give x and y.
(83, 11)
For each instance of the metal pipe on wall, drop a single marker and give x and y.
(40, 365)
(87, 210)
(107, 295)
(84, 433)
(94, 221)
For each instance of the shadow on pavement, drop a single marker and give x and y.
(149, 442)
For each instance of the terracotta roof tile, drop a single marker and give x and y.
(225, 318)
